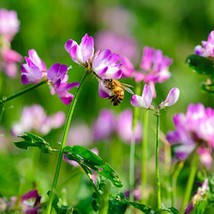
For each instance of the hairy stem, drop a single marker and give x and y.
(64, 138)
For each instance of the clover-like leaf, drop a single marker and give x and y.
(32, 140)
(90, 161)
(201, 65)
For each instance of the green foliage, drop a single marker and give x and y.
(90, 161)
(59, 208)
(32, 140)
(201, 65)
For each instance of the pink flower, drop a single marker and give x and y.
(194, 131)
(82, 53)
(34, 118)
(9, 24)
(143, 101)
(57, 76)
(107, 65)
(124, 127)
(154, 68)
(10, 58)
(121, 44)
(104, 126)
(207, 47)
(34, 69)
(104, 63)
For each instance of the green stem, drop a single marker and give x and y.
(144, 152)
(157, 173)
(193, 170)
(6, 99)
(64, 138)
(174, 181)
(132, 155)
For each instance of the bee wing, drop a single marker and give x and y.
(128, 90)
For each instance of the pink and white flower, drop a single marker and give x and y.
(193, 131)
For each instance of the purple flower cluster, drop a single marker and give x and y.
(34, 118)
(206, 49)
(35, 70)
(194, 131)
(107, 124)
(9, 26)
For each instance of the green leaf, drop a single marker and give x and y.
(208, 87)
(142, 207)
(32, 140)
(90, 161)
(201, 65)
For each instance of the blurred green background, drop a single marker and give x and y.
(173, 26)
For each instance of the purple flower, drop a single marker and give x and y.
(104, 126)
(34, 70)
(143, 101)
(104, 63)
(34, 118)
(194, 131)
(207, 47)
(82, 53)
(124, 127)
(9, 24)
(30, 202)
(107, 65)
(57, 76)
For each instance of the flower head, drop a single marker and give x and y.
(34, 118)
(206, 49)
(30, 202)
(194, 131)
(154, 68)
(34, 69)
(9, 24)
(82, 53)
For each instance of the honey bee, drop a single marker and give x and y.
(117, 90)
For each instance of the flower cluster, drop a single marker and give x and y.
(154, 68)
(207, 47)
(145, 100)
(34, 118)
(35, 70)
(194, 131)
(9, 26)
(107, 123)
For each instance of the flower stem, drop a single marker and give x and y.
(6, 99)
(144, 152)
(157, 173)
(132, 155)
(190, 182)
(174, 181)
(64, 138)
